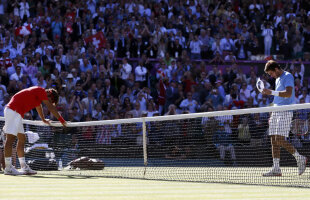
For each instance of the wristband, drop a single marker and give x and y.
(61, 119)
(275, 93)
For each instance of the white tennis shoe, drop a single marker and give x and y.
(273, 172)
(12, 171)
(28, 171)
(301, 163)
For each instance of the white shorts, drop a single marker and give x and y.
(280, 123)
(13, 122)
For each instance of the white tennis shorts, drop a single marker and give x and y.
(280, 123)
(13, 122)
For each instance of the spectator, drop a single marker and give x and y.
(189, 104)
(188, 81)
(151, 110)
(151, 49)
(228, 98)
(254, 46)
(126, 106)
(230, 57)
(114, 107)
(128, 94)
(223, 142)
(125, 69)
(244, 135)
(89, 103)
(141, 74)
(18, 74)
(136, 111)
(171, 110)
(142, 101)
(24, 10)
(203, 78)
(195, 48)
(3, 91)
(242, 49)
(226, 120)
(110, 90)
(217, 58)
(304, 95)
(172, 94)
(227, 43)
(267, 34)
(176, 48)
(163, 84)
(206, 39)
(298, 71)
(244, 92)
(57, 27)
(173, 68)
(306, 35)
(216, 46)
(235, 103)
(264, 102)
(220, 88)
(214, 98)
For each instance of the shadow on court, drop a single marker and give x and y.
(59, 177)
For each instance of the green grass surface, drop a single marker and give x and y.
(55, 187)
(71, 185)
(235, 175)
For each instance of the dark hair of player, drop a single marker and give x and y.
(271, 65)
(53, 95)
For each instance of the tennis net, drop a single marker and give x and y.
(230, 146)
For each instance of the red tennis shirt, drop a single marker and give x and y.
(27, 99)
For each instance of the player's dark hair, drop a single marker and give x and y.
(53, 95)
(271, 65)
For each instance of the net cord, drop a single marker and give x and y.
(176, 117)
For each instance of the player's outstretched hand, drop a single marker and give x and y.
(56, 123)
(266, 91)
(65, 124)
(47, 121)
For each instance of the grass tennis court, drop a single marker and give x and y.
(234, 175)
(70, 186)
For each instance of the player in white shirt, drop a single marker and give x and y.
(280, 121)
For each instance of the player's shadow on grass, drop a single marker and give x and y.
(60, 177)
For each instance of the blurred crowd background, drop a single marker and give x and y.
(122, 59)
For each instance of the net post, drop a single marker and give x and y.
(144, 143)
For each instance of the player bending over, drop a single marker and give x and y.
(21, 103)
(280, 122)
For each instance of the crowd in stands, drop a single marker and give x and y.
(150, 57)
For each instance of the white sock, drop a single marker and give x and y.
(276, 163)
(296, 155)
(22, 162)
(8, 161)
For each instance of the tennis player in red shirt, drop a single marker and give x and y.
(21, 103)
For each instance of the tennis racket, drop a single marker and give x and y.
(260, 85)
(300, 127)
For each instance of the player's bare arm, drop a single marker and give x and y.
(40, 112)
(286, 93)
(54, 111)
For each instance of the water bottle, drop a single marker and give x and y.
(60, 164)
